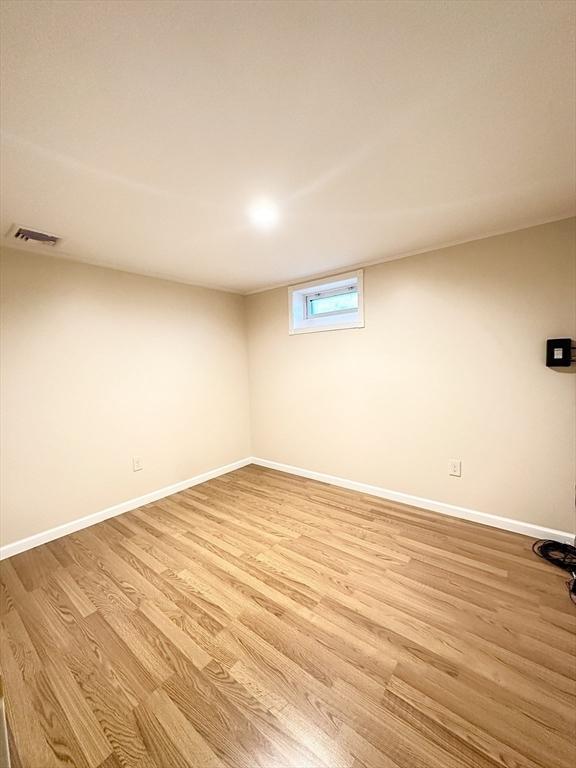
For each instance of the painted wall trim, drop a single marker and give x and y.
(505, 523)
(126, 506)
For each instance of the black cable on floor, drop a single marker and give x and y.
(561, 555)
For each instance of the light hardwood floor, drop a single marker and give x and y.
(265, 621)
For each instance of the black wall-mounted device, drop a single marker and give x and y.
(559, 353)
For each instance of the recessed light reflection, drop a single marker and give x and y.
(264, 213)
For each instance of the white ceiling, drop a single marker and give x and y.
(140, 131)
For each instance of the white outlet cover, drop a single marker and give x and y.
(455, 467)
(137, 463)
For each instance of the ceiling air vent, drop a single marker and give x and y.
(42, 238)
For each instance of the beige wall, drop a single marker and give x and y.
(449, 365)
(99, 366)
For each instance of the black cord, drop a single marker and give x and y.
(562, 555)
(572, 588)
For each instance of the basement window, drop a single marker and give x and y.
(329, 304)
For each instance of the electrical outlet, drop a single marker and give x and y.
(455, 467)
(137, 463)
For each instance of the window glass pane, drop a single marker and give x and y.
(336, 303)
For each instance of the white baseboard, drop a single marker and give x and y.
(126, 506)
(505, 523)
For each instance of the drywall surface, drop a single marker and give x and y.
(99, 366)
(450, 365)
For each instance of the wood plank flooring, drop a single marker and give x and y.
(266, 621)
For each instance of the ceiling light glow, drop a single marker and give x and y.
(264, 213)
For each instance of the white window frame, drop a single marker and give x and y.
(299, 297)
